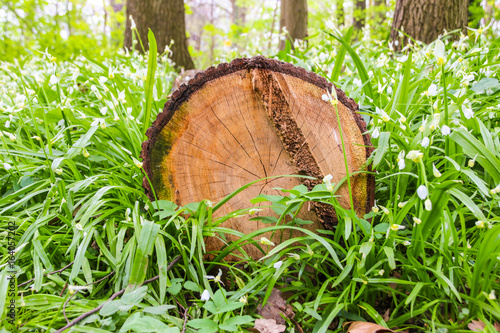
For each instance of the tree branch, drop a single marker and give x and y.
(115, 295)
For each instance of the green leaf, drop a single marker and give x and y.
(159, 310)
(190, 285)
(204, 325)
(473, 147)
(150, 80)
(359, 64)
(486, 83)
(339, 60)
(389, 252)
(383, 146)
(136, 323)
(233, 323)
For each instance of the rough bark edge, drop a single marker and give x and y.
(184, 92)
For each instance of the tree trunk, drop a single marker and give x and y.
(252, 119)
(166, 20)
(294, 19)
(340, 12)
(425, 20)
(359, 15)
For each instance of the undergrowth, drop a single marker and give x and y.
(427, 256)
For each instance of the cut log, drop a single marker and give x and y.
(250, 119)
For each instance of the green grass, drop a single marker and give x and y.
(71, 181)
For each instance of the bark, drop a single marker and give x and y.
(359, 15)
(251, 119)
(166, 20)
(425, 20)
(294, 18)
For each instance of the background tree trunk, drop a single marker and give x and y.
(166, 20)
(294, 18)
(425, 20)
(339, 9)
(359, 15)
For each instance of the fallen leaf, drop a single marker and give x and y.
(268, 326)
(365, 327)
(476, 325)
(276, 306)
(479, 326)
(386, 315)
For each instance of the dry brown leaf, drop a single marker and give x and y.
(268, 326)
(276, 306)
(387, 315)
(364, 327)
(479, 326)
(476, 325)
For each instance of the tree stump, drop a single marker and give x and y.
(251, 119)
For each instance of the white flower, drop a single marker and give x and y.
(492, 295)
(385, 210)
(425, 142)
(85, 153)
(432, 90)
(79, 226)
(325, 97)
(375, 133)
(254, 211)
(53, 80)
(294, 256)
(471, 163)
(11, 136)
(121, 96)
(278, 264)
(244, 299)
(480, 224)
(96, 91)
(72, 289)
(381, 272)
(205, 296)
(445, 130)
(104, 110)
(37, 138)
(435, 121)
(407, 243)
(58, 171)
(416, 220)
(402, 204)
(396, 227)
(137, 163)
(215, 278)
(127, 215)
(385, 117)
(309, 250)
(7, 166)
(422, 192)
(414, 155)
(435, 171)
(468, 113)
(375, 209)
(495, 190)
(327, 180)
(401, 164)
(428, 205)
(265, 241)
(439, 52)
